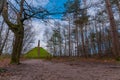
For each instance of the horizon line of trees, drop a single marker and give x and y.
(84, 35)
(87, 35)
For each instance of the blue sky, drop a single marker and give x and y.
(56, 6)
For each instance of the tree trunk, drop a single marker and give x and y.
(39, 48)
(1, 30)
(86, 41)
(4, 42)
(118, 5)
(18, 31)
(1, 5)
(65, 53)
(114, 32)
(17, 48)
(69, 38)
(83, 44)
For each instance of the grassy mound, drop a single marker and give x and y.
(34, 53)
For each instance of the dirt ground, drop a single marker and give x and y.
(50, 70)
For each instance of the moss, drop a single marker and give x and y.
(2, 70)
(33, 54)
(118, 59)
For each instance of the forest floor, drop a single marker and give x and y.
(60, 69)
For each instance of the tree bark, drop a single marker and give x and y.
(38, 48)
(1, 30)
(1, 5)
(17, 48)
(114, 32)
(4, 42)
(18, 31)
(83, 44)
(69, 38)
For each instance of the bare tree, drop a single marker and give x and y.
(4, 34)
(25, 12)
(4, 41)
(29, 37)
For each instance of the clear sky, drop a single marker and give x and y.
(56, 6)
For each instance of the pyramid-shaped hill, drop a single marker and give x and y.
(33, 53)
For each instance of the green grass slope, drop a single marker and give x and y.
(34, 53)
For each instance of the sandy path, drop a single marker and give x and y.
(44, 70)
